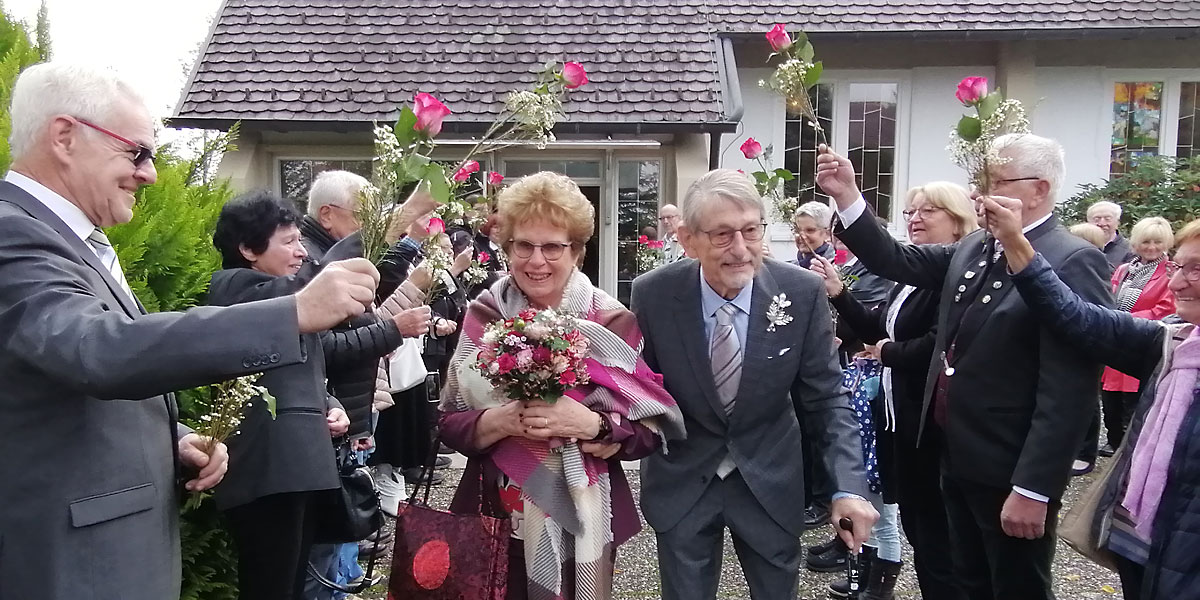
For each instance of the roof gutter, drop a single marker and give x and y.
(463, 127)
(731, 96)
(983, 35)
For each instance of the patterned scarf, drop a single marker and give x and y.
(1152, 453)
(1135, 280)
(567, 493)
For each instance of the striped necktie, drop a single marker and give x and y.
(108, 256)
(726, 355)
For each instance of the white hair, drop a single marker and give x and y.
(1104, 205)
(718, 184)
(47, 90)
(1034, 156)
(817, 211)
(335, 188)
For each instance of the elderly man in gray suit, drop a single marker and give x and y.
(746, 348)
(92, 453)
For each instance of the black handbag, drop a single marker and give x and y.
(352, 512)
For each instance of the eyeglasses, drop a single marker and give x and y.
(550, 251)
(1191, 271)
(667, 218)
(141, 154)
(1017, 179)
(724, 237)
(924, 211)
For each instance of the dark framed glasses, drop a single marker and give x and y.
(550, 251)
(141, 154)
(1191, 271)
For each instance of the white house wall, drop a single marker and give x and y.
(1074, 106)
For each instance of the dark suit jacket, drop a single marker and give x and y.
(1019, 402)
(292, 452)
(88, 505)
(788, 375)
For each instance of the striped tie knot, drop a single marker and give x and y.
(97, 236)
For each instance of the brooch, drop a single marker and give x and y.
(776, 314)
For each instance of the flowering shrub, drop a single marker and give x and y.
(537, 355)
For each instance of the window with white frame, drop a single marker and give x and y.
(859, 116)
(296, 175)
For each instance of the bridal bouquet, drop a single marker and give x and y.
(536, 355)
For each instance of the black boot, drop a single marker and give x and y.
(841, 588)
(882, 583)
(832, 561)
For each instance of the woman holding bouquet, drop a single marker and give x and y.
(554, 467)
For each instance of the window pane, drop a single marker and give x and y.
(638, 185)
(1137, 110)
(582, 169)
(800, 145)
(872, 141)
(520, 168)
(296, 176)
(1189, 111)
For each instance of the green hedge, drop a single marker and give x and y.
(1157, 186)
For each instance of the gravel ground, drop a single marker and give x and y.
(1075, 577)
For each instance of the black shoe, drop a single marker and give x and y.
(823, 547)
(882, 583)
(816, 516)
(839, 589)
(413, 474)
(830, 562)
(442, 462)
(1107, 450)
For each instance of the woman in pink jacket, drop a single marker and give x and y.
(1140, 287)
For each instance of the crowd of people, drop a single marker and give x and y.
(943, 389)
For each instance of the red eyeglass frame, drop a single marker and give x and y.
(143, 155)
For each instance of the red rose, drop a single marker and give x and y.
(494, 178)
(567, 378)
(430, 112)
(464, 172)
(751, 148)
(643, 240)
(971, 90)
(655, 243)
(484, 258)
(778, 38)
(574, 75)
(506, 362)
(541, 354)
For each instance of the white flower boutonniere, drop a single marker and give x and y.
(776, 314)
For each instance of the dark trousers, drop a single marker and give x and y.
(1091, 440)
(989, 564)
(923, 516)
(689, 554)
(818, 485)
(405, 431)
(1132, 576)
(273, 535)
(1118, 410)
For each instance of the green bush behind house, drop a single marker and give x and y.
(1157, 186)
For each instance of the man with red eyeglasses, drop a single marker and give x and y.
(92, 453)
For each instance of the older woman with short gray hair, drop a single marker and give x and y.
(810, 226)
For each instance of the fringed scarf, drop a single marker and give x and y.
(567, 493)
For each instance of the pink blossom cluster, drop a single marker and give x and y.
(649, 243)
(536, 355)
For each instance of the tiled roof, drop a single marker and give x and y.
(649, 61)
(863, 16)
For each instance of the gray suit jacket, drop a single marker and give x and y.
(789, 376)
(88, 506)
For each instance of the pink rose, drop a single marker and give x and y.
(971, 90)
(430, 112)
(494, 178)
(541, 354)
(464, 172)
(643, 240)
(655, 244)
(484, 258)
(778, 38)
(435, 226)
(751, 148)
(506, 362)
(574, 75)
